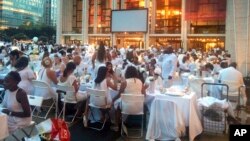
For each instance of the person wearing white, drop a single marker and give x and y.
(79, 66)
(16, 103)
(168, 67)
(47, 75)
(68, 79)
(231, 74)
(26, 74)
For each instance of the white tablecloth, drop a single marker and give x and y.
(195, 84)
(187, 105)
(4, 132)
(3, 73)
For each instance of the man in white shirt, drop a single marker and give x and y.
(168, 67)
(79, 66)
(231, 74)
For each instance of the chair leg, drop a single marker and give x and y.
(104, 122)
(127, 134)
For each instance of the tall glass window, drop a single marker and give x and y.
(77, 16)
(206, 16)
(134, 4)
(103, 16)
(91, 16)
(168, 17)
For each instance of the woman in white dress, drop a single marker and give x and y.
(46, 74)
(58, 65)
(68, 79)
(131, 85)
(27, 75)
(103, 81)
(16, 103)
(99, 57)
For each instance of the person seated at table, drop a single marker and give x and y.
(231, 74)
(26, 74)
(14, 56)
(156, 78)
(130, 85)
(102, 82)
(110, 71)
(209, 68)
(16, 103)
(46, 74)
(184, 65)
(68, 79)
(79, 66)
(58, 66)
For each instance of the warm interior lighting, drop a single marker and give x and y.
(176, 12)
(99, 25)
(141, 3)
(163, 12)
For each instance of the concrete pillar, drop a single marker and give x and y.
(95, 16)
(59, 22)
(146, 35)
(183, 26)
(85, 21)
(237, 33)
(113, 35)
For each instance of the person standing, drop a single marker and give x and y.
(169, 65)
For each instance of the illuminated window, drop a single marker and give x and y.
(167, 17)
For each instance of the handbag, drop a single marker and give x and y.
(54, 129)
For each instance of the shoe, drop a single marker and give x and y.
(85, 121)
(114, 128)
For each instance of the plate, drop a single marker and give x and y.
(175, 93)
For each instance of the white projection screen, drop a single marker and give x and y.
(129, 20)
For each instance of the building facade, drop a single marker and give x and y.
(14, 13)
(199, 24)
(50, 11)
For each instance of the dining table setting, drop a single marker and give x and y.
(186, 101)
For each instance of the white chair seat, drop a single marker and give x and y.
(132, 105)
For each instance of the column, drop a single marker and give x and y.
(59, 22)
(113, 36)
(85, 21)
(95, 16)
(183, 26)
(146, 35)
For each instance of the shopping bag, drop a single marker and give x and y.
(54, 129)
(59, 127)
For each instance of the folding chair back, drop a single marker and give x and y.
(69, 97)
(69, 93)
(41, 88)
(98, 98)
(132, 104)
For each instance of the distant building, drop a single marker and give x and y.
(49, 15)
(14, 13)
(190, 24)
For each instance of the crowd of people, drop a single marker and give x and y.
(126, 71)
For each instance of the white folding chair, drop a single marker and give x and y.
(132, 105)
(235, 93)
(42, 89)
(98, 100)
(1, 93)
(68, 97)
(166, 121)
